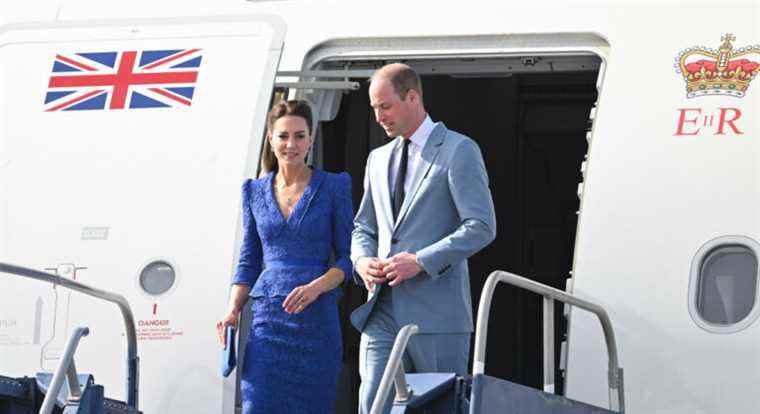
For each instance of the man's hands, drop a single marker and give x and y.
(393, 270)
(371, 271)
(401, 267)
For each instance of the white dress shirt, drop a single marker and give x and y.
(418, 140)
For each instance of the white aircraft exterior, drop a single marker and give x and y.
(669, 218)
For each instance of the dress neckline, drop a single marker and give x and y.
(304, 198)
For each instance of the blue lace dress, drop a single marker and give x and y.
(292, 361)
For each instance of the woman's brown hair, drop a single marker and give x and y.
(294, 107)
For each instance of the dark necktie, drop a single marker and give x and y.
(398, 191)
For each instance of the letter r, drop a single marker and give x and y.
(723, 121)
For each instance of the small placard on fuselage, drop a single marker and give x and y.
(94, 233)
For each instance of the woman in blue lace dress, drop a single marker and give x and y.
(294, 220)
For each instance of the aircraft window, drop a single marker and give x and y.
(157, 278)
(724, 285)
(727, 285)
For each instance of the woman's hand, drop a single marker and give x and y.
(301, 297)
(231, 319)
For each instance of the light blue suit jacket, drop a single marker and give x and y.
(446, 217)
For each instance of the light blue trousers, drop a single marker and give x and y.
(424, 353)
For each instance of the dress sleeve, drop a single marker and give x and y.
(250, 261)
(343, 219)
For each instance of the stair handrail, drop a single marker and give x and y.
(549, 294)
(133, 361)
(394, 371)
(66, 368)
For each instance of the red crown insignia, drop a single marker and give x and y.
(718, 72)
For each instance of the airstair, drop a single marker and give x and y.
(66, 391)
(434, 393)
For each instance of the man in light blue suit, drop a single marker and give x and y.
(426, 209)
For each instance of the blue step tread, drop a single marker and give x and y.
(428, 386)
(493, 395)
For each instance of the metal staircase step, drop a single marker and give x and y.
(493, 395)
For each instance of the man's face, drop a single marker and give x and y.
(393, 114)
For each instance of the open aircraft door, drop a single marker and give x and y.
(123, 146)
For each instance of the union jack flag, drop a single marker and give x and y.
(118, 80)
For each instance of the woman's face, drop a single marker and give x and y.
(290, 140)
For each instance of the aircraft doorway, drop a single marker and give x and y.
(531, 128)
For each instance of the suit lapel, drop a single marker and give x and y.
(381, 172)
(429, 153)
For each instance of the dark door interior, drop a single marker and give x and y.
(531, 130)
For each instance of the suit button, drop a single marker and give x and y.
(394, 241)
